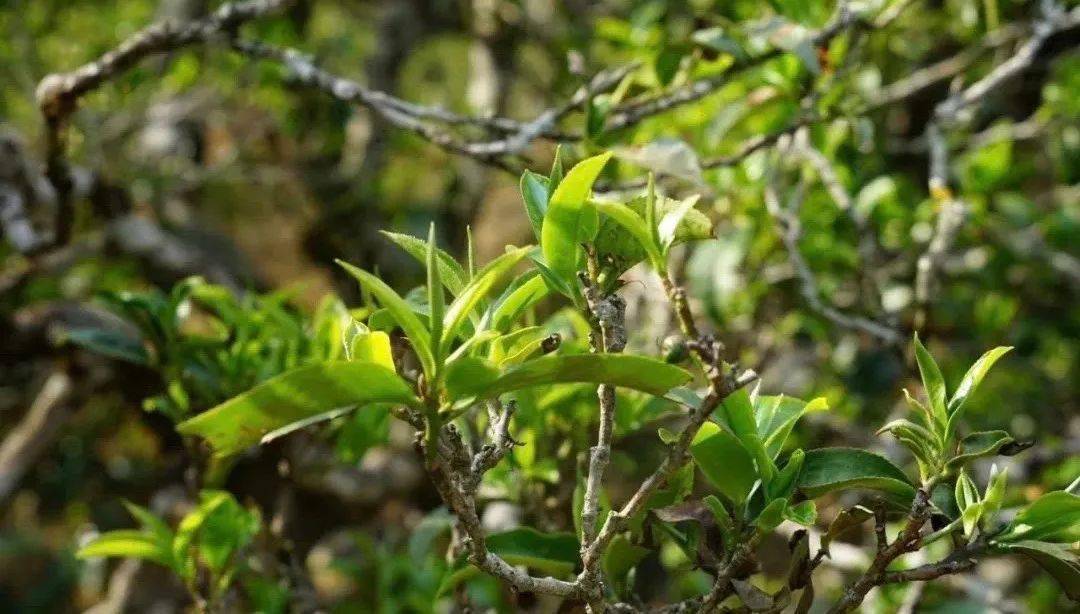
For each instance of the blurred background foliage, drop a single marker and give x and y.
(265, 182)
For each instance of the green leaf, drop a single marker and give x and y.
(571, 219)
(979, 445)
(632, 223)
(776, 416)
(784, 482)
(1058, 561)
(450, 272)
(726, 463)
(723, 518)
(292, 396)
(679, 220)
(534, 191)
(227, 528)
(111, 343)
(372, 347)
(828, 469)
(436, 299)
(932, 381)
(555, 554)
(738, 413)
(968, 385)
(804, 513)
(620, 557)
(922, 443)
(402, 313)
(518, 298)
(1053, 517)
(128, 543)
(292, 427)
(651, 213)
(847, 519)
(636, 372)
(771, 516)
(468, 373)
(995, 492)
(476, 291)
(622, 249)
(150, 523)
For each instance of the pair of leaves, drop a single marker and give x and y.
(646, 228)
(776, 416)
(945, 415)
(974, 507)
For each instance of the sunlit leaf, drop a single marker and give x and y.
(477, 290)
(968, 385)
(128, 543)
(293, 396)
(636, 372)
(452, 275)
(571, 219)
(932, 381)
(401, 312)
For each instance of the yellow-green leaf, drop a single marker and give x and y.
(293, 396)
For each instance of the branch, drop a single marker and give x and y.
(35, 432)
(58, 94)
(907, 541)
(1054, 20)
(946, 114)
(790, 230)
(609, 312)
(634, 111)
(929, 572)
(413, 117)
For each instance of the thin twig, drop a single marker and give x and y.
(790, 230)
(58, 94)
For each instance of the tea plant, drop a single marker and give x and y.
(498, 398)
